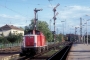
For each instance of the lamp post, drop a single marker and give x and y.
(63, 26)
(63, 29)
(83, 35)
(75, 32)
(87, 32)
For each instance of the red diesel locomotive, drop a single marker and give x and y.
(34, 42)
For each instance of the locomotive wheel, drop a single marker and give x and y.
(31, 52)
(43, 49)
(21, 54)
(46, 47)
(39, 49)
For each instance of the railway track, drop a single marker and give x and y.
(10, 50)
(40, 57)
(62, 54)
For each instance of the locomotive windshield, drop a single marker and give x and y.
(37, 32)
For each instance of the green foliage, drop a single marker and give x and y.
(3, 40)
(31, 26)
(59, 37)
(43, 27)
(26, 29)
(21, 28)
(19, 37)
(2, 34)
(11, 38)
(65, 38)
(14, 38)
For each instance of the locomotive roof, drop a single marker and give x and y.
(36, 32)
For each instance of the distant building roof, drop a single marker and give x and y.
(8, 27)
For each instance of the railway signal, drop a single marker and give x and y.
(35, 12)
(55, 14)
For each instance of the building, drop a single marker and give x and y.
(70, 37)
(7, 29)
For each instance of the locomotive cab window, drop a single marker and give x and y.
(37, 32)
(31, 32)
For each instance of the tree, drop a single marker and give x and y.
(3, 39)
(19, 37)
(11, 38)
(2, 34)
(31, 26)
(43, 27)
(59, 37)
(26, 29)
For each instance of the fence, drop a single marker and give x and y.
(9, 45)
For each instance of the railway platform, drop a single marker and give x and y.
(79, 52)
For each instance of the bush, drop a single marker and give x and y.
(3, 40)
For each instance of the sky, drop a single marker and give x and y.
(20, 12)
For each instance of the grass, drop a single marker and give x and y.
(61, 46)
(50, 53)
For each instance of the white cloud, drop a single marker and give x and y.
(73, 12)
(12, 17)
(16, 20)
(19, 25)
(81, 8)
(5, 16)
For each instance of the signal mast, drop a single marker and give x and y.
(35, 19)
(54, 10)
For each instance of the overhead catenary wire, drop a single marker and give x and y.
(13, 10)
(50, 2)
(5, 2)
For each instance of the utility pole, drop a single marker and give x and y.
(35, 20)
(80, 29)
(87, 32)
(87, 29)
(75, 33)
(54, 10)
(84, 37)
(63, 27)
